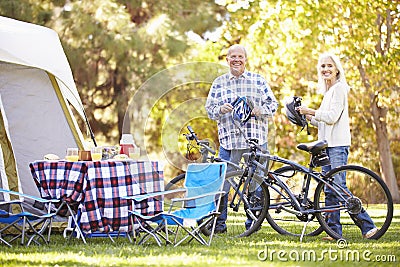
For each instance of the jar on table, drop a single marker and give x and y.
(125, 143)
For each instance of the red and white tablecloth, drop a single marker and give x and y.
(97, 188)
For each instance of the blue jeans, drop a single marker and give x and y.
(338, 156)
(234, 156)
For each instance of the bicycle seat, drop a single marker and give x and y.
(313, 147)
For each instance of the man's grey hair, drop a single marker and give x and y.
(237, 46)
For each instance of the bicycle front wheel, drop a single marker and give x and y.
(282, 212)
(175, 183)
(246, 207)
(366, 205)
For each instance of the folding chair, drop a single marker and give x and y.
(18, 223)
(203, 190)
(142, 223)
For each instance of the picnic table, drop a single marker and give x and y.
(96, 189)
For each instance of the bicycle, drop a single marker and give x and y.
(202, 146)
(288, 209)
(207, 155)
(253, 194)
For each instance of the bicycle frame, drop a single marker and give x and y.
(253, 164)
(309, 173)
(205, 151)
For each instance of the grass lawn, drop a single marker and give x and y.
(264, 248)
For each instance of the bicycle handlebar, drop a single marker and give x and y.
(202, 143)
(192, 134)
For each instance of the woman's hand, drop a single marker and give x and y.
(305, 110)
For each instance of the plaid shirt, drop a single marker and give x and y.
(225, 89)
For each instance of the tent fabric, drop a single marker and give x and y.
(36, 88)
(37, 46)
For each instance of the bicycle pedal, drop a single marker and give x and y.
(278, 209)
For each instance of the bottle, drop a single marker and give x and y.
(125, 143)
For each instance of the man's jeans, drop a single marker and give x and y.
(234, 156)
(338, 157)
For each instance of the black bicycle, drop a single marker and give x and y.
(296, 195)
(251, 196)
(298, 200)
(194, 147)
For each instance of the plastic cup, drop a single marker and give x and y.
(134, 152)
(97, 153)
(72, 154)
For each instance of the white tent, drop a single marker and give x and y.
(37, 91)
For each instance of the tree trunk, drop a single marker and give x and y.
(381, 135)
(385, 157)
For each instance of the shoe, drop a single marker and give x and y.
(328, 238)
(370, 233)
(220, 230)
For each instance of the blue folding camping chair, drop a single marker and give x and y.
(198, 210)
(19, 223)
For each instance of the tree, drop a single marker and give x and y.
(287, 36)
(117, 47)
(375, 43)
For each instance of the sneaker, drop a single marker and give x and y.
(328, 238)
(370, 233)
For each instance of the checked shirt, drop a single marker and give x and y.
(225, 89)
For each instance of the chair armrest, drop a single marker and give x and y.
(10, 202)
(139, 198)
(197, 197)
(29, 196)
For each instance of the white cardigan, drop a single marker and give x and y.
(332, 117)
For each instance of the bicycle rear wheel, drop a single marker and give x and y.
(246, 215)
(370, 197)
(281, 213)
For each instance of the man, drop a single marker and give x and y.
(238, 82)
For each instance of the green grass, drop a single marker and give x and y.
(224, 251)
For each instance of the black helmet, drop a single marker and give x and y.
(293, 115)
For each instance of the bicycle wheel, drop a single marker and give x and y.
(281, 213)
(246, 209)
(370, 197)
(254, 204)
(176, 183)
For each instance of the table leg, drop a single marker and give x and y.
(75, 221)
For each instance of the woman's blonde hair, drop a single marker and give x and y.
(340, 75)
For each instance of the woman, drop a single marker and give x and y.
(332, 120)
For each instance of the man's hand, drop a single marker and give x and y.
(257, 111)
(225, 108)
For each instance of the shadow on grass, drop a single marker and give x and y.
(224, 251)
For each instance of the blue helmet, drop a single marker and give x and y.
(242, 108)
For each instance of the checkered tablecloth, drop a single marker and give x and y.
(98, 187)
